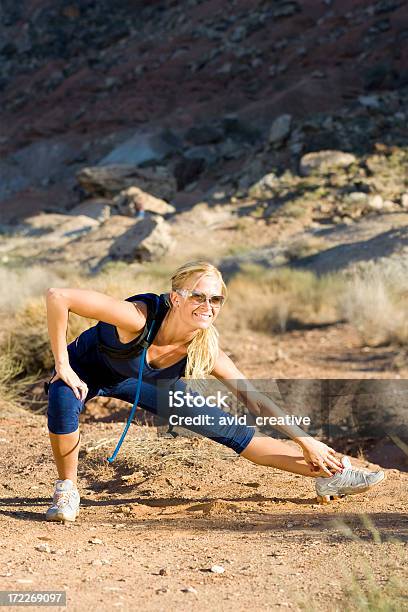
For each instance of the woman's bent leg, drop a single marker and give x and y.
(278, 454)
(63, 420)
(65, 448)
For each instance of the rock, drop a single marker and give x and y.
(280, 130)
(95, 541)
(322, 162)
(286, 9)
(188, 170)
(208, 154)
(142, 148)
(204, 134)
(36, 164)
(96, 208)
(108, 181)
(265, 188)
(130, 201)
(239, 130)
(217, 569)
(163, 572)
(189, 589)
(118, 238)
(43, 548)
(55, 228)
(376, 202)
(369, 101)
(357, 197)
(404, 200)
(389, 205)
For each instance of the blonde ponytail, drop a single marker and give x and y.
(203, 349)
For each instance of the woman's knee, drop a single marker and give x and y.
(63, 408)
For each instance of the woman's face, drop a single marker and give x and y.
(199, 316)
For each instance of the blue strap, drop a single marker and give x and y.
(132, 412)
(111, 459)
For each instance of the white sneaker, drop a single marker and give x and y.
(65, 503)
(350, 482)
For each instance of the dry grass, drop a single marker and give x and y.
(262, 300)
(24, 327)
(303, 247)
(10, 369)
(376, 302)
(269, 300)
(362, 590)
(22, 284)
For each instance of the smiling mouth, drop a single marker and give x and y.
(202, 316)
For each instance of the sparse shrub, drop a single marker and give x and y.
(20, 284)
(269, 300)
(376, 302)
(303, 247)
(362, 590)
(293, 209)
(26, 332)
(9, 370)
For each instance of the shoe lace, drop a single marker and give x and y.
(354, 477)
(62, 498)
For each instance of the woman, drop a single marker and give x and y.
(104, 360)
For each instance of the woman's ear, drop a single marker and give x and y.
(173, 299)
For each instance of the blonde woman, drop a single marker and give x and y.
(105, 360)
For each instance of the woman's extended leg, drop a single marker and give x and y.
(278, 454)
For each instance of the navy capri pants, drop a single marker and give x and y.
(64, 408)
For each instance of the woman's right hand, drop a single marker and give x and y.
(71, 378)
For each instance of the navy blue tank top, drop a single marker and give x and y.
(91, 348)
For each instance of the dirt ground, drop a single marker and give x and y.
(153, 524)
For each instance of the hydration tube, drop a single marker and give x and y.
(112, 458)
(146, 344)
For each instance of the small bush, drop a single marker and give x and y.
(10, 369)
(268, 300)
(376, 302)
(303, 247)
(23, 283)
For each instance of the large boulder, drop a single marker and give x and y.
(118, 238)
(130, 201)
(43, 233)
(108, 181)
(322, 162)
(96, 208)
(56, 228)
(143, 147)
(280, 130)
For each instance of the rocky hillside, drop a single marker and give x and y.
(217, 98)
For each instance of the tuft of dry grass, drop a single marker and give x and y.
(22, 284)
(362, 590)
(10, 369)
(269, 300)
(303, 247)
(376, 302)
(25, 329)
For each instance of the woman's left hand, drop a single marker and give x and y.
(321, 457)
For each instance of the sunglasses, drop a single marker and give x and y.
(216, 301)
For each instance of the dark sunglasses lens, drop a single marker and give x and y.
(217, 300)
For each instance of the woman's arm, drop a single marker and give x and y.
(315, 452)
(256, 402)
(92, 304)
